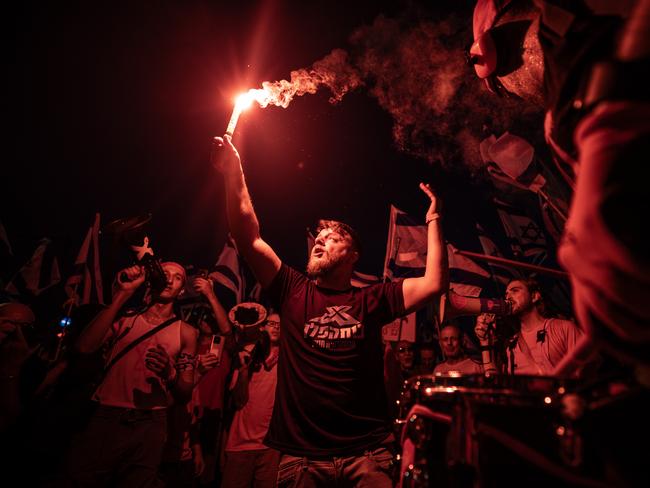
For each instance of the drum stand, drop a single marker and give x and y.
(462, 446)
(461, 452)
(447, 401)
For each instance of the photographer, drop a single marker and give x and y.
(151, 358)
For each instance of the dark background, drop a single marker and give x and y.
(116, 105)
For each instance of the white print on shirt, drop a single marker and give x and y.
(335, 329)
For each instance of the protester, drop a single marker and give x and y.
(405, 352)
(217, 345)
(330, 417)
(151, 358)
(582, 62)
(14, 351)
(61, 403)
(182, 458)
(249, 463)
(456, 359)
(427, 356)
(541, 342)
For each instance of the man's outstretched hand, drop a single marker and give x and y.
(432, 213)
(225, 157)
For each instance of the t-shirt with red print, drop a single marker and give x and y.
(330, 397)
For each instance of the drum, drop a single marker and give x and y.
(460, 430)
(506, 390)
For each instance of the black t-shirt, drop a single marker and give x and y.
(330, 399)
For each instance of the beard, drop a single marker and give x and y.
(317, 267)
(520, 308)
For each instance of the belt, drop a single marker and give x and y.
(130, 414)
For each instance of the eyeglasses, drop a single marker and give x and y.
(273, 324)
(405, 349)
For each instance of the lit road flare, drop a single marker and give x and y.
(242, 102)
(332, 71)
(279, 93)
(262, 96)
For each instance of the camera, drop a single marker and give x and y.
(132, 233)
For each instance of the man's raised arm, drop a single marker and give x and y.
(244, 227)
(419, 291)
(94, 335)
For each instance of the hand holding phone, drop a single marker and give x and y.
(216, 346)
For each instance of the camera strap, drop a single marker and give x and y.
(137, 341)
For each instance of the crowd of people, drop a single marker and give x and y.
(161, 402)
(193, 405)
(141, 397)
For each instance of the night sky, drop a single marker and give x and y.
(116, 105)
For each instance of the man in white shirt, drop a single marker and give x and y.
(123, 441)
(456, 359)
(541, 341)
(250, 463)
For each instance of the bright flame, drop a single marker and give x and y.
(244, 101)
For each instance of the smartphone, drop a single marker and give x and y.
(216, 346)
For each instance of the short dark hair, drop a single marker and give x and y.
(341, 228)
(531, 283)
(533, 286)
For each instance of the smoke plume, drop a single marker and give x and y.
(416, 70)
(334, 71)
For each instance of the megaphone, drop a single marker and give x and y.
(458, 305)
(132, 233)
(247, 317)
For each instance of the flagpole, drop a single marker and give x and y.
(71, 301)
(394, 257)
(550, 203)
(516, 264)
(511, 181)
(61, 335)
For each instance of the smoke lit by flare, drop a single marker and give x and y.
(333, 72)
(440, 111)
(415, 68)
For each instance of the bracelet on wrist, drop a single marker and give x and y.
(432, 217)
